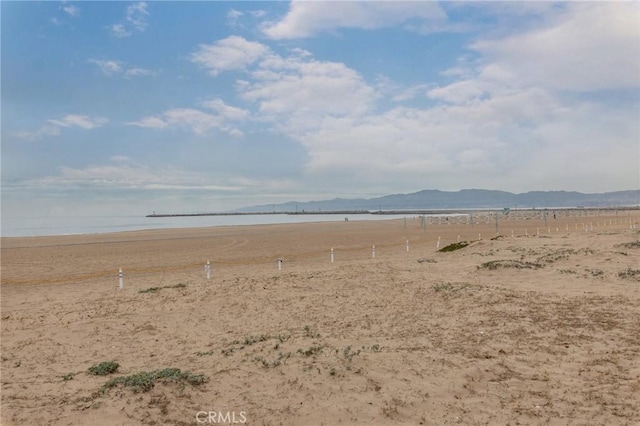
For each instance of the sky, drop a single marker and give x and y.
(134, 107)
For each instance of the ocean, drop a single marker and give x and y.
(66, 225)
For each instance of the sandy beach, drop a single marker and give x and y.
(537, 325)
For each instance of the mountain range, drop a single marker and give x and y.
(431, 199)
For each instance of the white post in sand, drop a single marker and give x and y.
(407, 246)
(120, 279)
(279, 264)
(512, 233)
(373, 252)
(479, 236)
(458, 238)
(207, 270)
(438, 244)
(537, 232)
(331, 254)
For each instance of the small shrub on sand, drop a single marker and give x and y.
(144, 381)
(495, 264)
(631, 245)
(454, 246)
(313, 350)
(255, 339)
(630, 274)
(68, 376)
(104, 368)
(310, 333)
(442, 287)
(156, 289)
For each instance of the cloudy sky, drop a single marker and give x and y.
(207, 106)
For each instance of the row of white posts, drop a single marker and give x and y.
(207, 266)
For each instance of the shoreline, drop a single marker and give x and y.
(98, 225)
(400, 211)
(430, 216)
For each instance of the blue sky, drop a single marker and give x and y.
(133, 107)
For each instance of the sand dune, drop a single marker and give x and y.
(538, 326)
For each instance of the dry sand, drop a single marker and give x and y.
(529, 330)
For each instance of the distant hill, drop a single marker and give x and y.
(464, 199)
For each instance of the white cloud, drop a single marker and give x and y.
(119, 31)
(303, 86)
(150, 123)
(135, 20)
(71, 10)
(82, 121)
(410, 92)
(112, 67)
(133, 176)
(138, 72)
(232, 53)
(137, 15)
(513, 141)
(108, 67)
(586, 47)
(503, 119)
(199, 122)
(54, 126)
(195, 120)
(505, 116)
(192, 119)
(46, 130)
(308, 18)
(460, 92)
(233, 16)
(226, 111)
(258, 13)
(124, 173)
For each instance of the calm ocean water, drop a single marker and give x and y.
(40, 226)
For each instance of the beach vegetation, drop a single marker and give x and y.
(312, 350)
(630, 274)
(631, 245)
(454, 246)
(145, 381)
(310, 333)
(517, 264)
(250, 340)
(104, 368)
(68, 376)
(156, 289)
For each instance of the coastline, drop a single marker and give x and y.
(87, 225)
